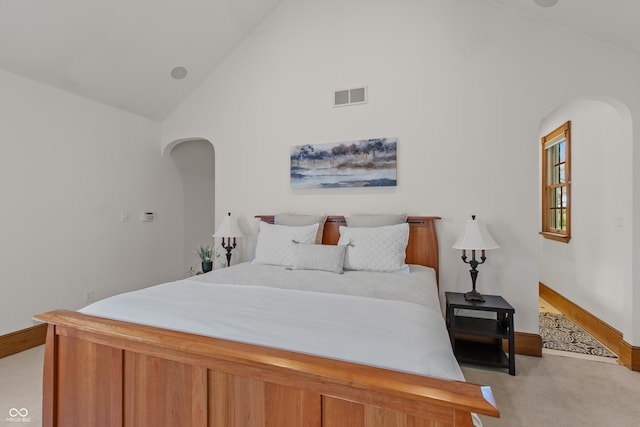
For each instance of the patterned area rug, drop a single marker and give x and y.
(560, 333)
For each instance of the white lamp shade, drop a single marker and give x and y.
(475, 237)
(228, 228)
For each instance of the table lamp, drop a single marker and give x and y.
(228, 230)
(474, 238)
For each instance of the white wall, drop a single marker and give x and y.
(594, 269)
(459, 83)
(68, 168)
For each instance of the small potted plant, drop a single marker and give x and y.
(205, 253)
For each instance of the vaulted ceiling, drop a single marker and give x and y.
(121, 52)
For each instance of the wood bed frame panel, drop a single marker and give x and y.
(102, 372)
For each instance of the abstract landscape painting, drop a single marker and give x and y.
(364, 163)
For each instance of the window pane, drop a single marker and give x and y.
(552, 219)
(558, 219)
(561, 150)
(562, 180)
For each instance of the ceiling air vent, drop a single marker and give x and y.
(346, 97)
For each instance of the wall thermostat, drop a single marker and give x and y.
(147, 216)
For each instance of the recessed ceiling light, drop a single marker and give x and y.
(179, 73)
(546, 3)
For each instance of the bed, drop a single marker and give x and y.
(128, 361)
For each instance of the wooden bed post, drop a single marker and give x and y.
(49, 413)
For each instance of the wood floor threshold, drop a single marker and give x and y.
(628, 355)
(22, 340)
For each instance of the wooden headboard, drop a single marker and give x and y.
(422, 248)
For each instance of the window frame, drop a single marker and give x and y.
(552, 139)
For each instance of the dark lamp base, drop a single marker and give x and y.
(473, 296)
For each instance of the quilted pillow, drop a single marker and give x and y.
(276, 242)
(298, 220)
(319, 257)
(375, 248)
(374, 220)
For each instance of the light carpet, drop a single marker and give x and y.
(562, 392)
(21, 388)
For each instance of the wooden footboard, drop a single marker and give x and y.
(101, 372)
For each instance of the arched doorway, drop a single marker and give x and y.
(195, 163)
(594, 269)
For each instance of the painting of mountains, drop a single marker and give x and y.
(364, 163)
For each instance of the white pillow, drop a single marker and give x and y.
(298, 220)
(276, 242)
(375, 248)
(319, 257)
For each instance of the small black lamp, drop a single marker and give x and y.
(475, 238)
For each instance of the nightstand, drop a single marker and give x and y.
(478, 340)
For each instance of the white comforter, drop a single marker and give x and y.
(386, 320)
